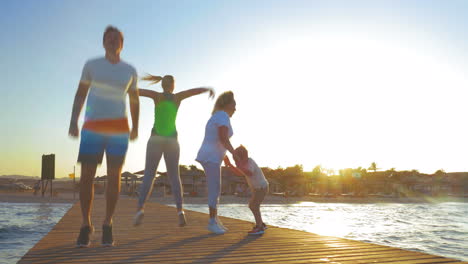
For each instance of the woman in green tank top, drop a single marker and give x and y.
(163, 140)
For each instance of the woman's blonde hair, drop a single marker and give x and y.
(154, 79)
(223, 100)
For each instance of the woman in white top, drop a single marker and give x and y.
(216, 142)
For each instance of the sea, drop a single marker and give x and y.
(434, 228)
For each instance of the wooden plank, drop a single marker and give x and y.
(160, 240)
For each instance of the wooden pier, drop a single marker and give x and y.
(160, 240)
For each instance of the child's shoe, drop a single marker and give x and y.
(256, 231)
(221, 224)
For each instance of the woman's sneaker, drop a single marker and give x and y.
(107, 238)
(256, 231)
(138, 219)
(215, 228)
(83, 240)
(221, 224)
(264, 226)
(182, 220)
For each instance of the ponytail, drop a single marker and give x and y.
(152, 78)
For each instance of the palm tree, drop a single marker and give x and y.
(439, 173)
(373, 167)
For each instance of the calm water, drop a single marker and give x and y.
(440, 229)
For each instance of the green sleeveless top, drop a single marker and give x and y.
(165, 114)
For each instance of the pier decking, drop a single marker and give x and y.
(160, 240)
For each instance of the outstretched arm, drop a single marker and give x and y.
(148, 93)
(237, 171)
(234, 169)
(80, 97)
(191, 92)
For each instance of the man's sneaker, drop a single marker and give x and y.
(83, 239)
(138, 219)
(215, 228)
(107, 239)
(182, 220)
(221, 224)
(256, 231)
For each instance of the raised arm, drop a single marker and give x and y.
(149, 93)
(191, 92)
(134, 111)
(80, 97)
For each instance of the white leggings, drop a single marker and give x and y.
(156, 147)
(213, 179)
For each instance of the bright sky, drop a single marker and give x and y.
(337, 83)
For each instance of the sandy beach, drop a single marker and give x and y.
(67, 197)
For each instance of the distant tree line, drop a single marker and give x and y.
(359, 181)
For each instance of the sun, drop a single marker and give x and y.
(336, 98)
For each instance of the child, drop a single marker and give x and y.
(256, 180)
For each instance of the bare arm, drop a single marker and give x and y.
(80, 97)
(237, 171)
(224, 138)
(134, 111)
(245, 171)
(191, 92)
(149, 93)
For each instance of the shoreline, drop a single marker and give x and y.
(67, 197)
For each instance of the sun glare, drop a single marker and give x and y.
(330, 97)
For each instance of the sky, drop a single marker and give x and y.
(339, 84)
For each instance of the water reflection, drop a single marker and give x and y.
(434, 228)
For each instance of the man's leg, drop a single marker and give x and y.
(88, 171)
(90, 155)
(112, 191)
(116, 150)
